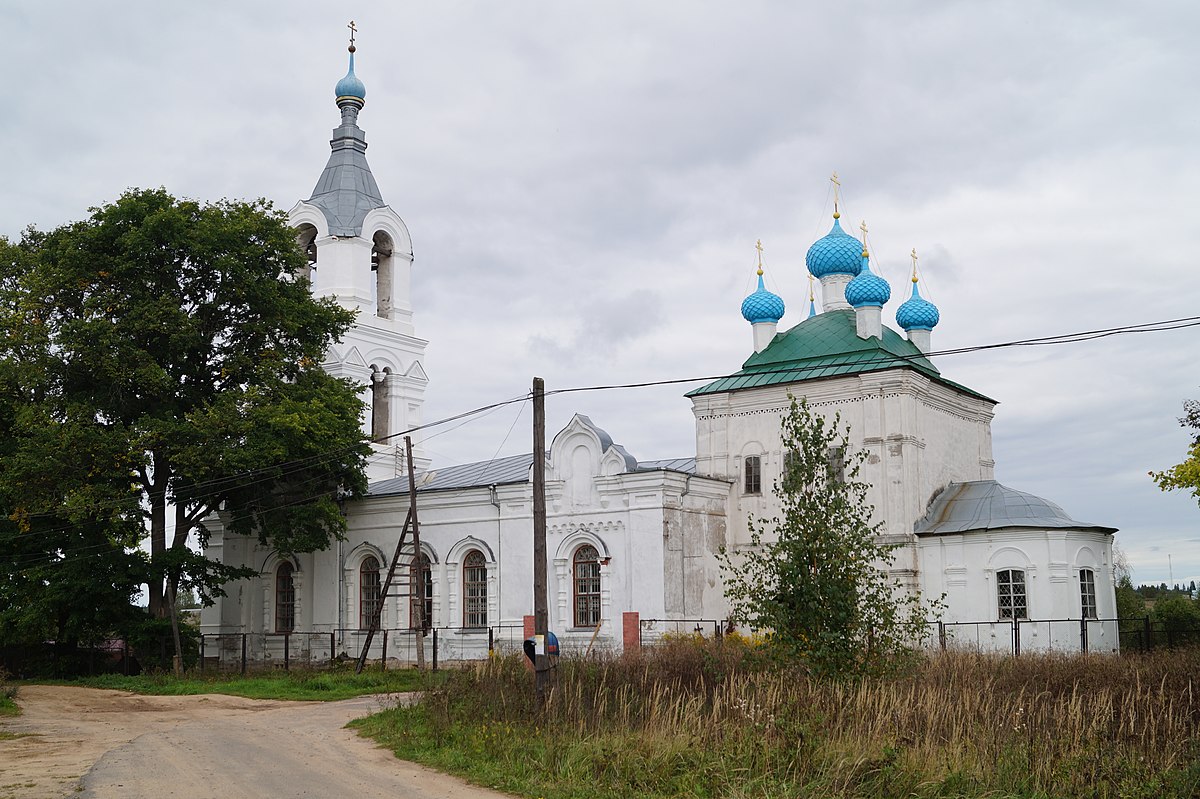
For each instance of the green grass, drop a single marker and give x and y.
(8, 693)
(292, 685)
(710, 720)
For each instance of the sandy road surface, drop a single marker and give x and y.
(115, 744)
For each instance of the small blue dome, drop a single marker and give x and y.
(867, 288)
(917, 313)
(762, 305)
(350, 86)
(836, 253)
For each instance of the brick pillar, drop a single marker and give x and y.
(631, 631)
(530, 631)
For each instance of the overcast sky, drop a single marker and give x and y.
(584, 184)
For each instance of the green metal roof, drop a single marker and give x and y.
(827, 345)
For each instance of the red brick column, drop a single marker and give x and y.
(530, 630)
(631, 631)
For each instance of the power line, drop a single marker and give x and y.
(797, 370)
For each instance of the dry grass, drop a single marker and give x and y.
(712, 719)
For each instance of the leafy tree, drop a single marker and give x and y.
(814, 575)
(166, 355)
(1179, 618)
(1185, 475)
(1130, 602)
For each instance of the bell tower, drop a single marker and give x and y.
(360, 254)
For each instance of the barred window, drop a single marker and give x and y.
(586, 574)
(285, 599)
(753, 474)
(1087, 592)
(369, 599)
(474, 589)
(1010, 588)
(836, 458)
(422, 584)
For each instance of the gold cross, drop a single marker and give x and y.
(837, 184)
(810, 287)
(913, 255)
(353, 30)
(863, 227)
(758, 246)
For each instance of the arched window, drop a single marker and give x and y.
(422, 593)
(1087, 593)
(586, 578)
(370, 600)
(306, 238)
(1010, 590)
(285, 599)
(753, 474)
(474, 589)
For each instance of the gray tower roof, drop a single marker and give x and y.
(347, 190)
(988, 505)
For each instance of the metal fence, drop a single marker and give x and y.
(651, 631)
(445, 645)
(321, 649)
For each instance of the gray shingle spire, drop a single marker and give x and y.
(347, 190)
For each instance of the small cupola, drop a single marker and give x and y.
(868, 293)
(917, 315)
(762, 309)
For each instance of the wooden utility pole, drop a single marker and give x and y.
(541, 616)
(417, 591)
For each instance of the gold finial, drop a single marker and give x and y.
(758, 246)
(913, 255)
(837, 185)
(353, 30)
(811, 296)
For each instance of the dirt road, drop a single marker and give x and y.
(91, 743)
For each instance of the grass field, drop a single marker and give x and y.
(296, 684)
(711, 720)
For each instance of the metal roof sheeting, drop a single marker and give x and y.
(987, 505)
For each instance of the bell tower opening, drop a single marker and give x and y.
(381, 265)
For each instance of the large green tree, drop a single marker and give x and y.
(1185, 475)
(815, 576)
(167, 352)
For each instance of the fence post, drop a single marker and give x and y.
(1149, 644)
(243, 654)
(631, 631)
(492, 637)
(941, 633)
(201, 655)
(1083, 641)
(1016, 623)
(287, 652)
(435, 643)
(383, 654)
(331, 644)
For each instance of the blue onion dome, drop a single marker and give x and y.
(917, 313)
(836, 253)
(350, 88)
(867, 288)
(762, 305)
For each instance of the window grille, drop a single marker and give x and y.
(836, 459)
(422, 582)
(474, 589)
(1010, 588)
(586, 567)
(1087, 592)
(369, 599)
(285, 599)
(753, 474)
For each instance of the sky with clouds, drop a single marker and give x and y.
(584, 184)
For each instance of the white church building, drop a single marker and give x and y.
(627, 536)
